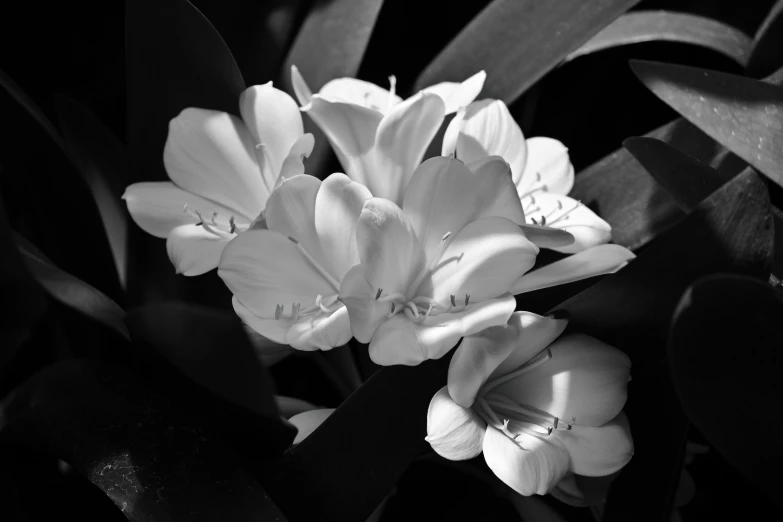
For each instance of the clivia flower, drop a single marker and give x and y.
(285, 278)
(540, 406)
(222, 169)
(378, 137)
(540, 167)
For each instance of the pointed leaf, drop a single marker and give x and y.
(102, 161)
(519, 41)
(666, 26)
(155, 456)
(747, 345)
(765, 54)
(741, 114)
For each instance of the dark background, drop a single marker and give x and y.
(76, 49)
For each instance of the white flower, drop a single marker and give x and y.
(222, 171)
(379, 138)
(285, 278)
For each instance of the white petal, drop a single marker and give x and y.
(212, 155)
(547, 237)
(454, 432)
(366, 313)
(308, 421)
(601, 259)
(529, 465)
(273, 119)
(456, 94)
(359, 92)
(301, 89)
(322, 332)
(570, 215)
(269, 328)
(444, 195)
(193, 250)
(599, 451)
(401, 140)
(534, 333)
(402, 341)
(159, 206)
(294, 163)
(547, 165)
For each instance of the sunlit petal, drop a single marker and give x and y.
(402, 341)
(570, 215)
(584, 383)
(547, 165)
(529, 465)
(534, 333)
(601, 259)
(454, 432)
(320, 332)
(548, 237)
(307, 422)
(456, 94)
(599, 451)
(366, 313)
(301, 89)
(193, 250)
(294, 162)
(212, 155)
(270, 328)
(359, 92)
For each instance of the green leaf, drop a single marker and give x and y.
(725, 358)
(765, 55)
(666, 26)
(72, 291)
(154, 455)
(102, 161)
(519, 41)
(739, 113)
(364, 446)
(330, 44)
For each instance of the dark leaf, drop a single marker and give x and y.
(330, 44)
(765, 55)
(725, 357)
(102, 161)
(152, 455)
(739, 113)
(519, 41)
(665, 26)
(72, 291)
(364, 447)
(31, 107)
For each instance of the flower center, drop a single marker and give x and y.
(218, 227)
(557, 214)
(322, 306)
(514, 418)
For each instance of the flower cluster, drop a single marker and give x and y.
(409, 256)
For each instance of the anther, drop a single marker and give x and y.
(278, 312)
(538, 177)
(453, 300)
(378, 294)
(233, 229)
(445, 236)
(295, 311)
(543, 221)
(294, 241)
(549, 430)
(534, 220)
(392, 309)
(214, 217)
(556, 421)
(467, 299)
(559, 205)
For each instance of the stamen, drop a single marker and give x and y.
(392, 313)
(432, 264)
(453, 301)
(538, 177)
(392, 91)
(378, 294)
(566, 216)
(534, 220)
(325, 274)
(543, 221)
(295, 311)
(278, 312)
(467, 299)
(233, 225)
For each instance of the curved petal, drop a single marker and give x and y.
(338, 205)
(307, 422)
(601, 259)
(547, 165)
(273, 119)
(599, 451)
(267, 351)
(401, 140)
(359, 92)
(533, 333)
(547, 237)
(193, 250)
(270, 328)
(567, 491)
(320, 332)
(388, 247)
(455, 94)
(529, 465)
(570, 215)
(264, 269)
(454, 432)
(294, 162)
(483, 260)
(160, 206)
(212, 155)
(444, 195)
(301, 89)
(487, 129)
(584, 383)
(366, 313)
(401, 341)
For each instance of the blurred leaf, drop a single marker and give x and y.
(689, 181)
(345, 365)
(72, 291)
(765, 54)
(102, 160)
(290, 406)
(330, 44)
(155, 457)
(519, 41)
(364, 447)
(741, 114)
(666, 26)
(725, 356)
(32, 108)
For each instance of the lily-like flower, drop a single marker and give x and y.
(440, 267)
(285, 278)
(539, 406)
(540, 167)
(222, 171)
(378, 137)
